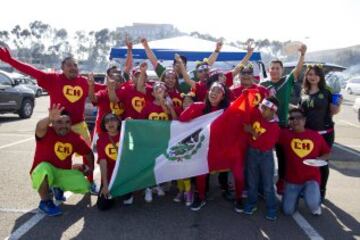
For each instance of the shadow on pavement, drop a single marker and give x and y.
(345, 162)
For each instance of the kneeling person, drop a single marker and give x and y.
(52, 166)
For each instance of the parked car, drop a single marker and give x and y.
(14, 97)
(28, 82)
(327, 68)
(356, 107)
(353, 85)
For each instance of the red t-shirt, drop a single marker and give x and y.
(176, 98)
(105, 106)
(71, 94)
(263, 92)
(107, 151)
(58, 150)
(99, 87)
(200, 91)
(229, 79)
(269, 132)
(133, 100)
(298, 147)
(152, 111)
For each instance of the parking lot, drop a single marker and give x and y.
(164, 219)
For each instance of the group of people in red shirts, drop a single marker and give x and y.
(176, 96)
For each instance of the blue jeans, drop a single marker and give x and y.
(311, 191)
(260, 166)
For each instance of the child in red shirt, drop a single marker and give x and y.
(264, 133)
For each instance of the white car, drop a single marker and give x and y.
(353, 85)
(356, 107)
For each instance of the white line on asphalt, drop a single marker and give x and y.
(14, 210)
(350, 123)
(347, 150)
(15, 143)
(306, 227)
(23, 229)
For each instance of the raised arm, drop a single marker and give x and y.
(215, 54)
(185, 74)
(91, 83)
(149, 53)
(300, 63)
(129, 56)
(140, 83)
(6, 57)
(111, 85)
(43, 125)
(243, 61)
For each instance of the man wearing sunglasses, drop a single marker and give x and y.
(300, 144)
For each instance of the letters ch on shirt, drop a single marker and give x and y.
(177, 102)
(138, 103)
(63, 150)
(302, 148)
(111, 151)
(158, 116)
(72, 93)
(117, 108)
(258, 129)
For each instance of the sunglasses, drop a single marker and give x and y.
(292, 118)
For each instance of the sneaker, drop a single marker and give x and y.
(94, 189)
(271, 215)
(197, 204)
(160, 192)
(129, 201)
(188, 198)
(239, 206)
(58, 194)
(49, 208)
(179, 197)
(148, 195)
(317, 212)
(249, 210)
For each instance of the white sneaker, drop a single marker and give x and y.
(317, 212)
(179, 197)
(129, 201)
(160, 191)
(148, 195)
(188, 198)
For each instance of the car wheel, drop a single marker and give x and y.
(26, 109)
(349, 91)
(38, 93)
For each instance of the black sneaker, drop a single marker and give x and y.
(239, 206)
(197, 204)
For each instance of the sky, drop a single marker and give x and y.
(320, 24)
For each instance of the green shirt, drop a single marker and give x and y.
(183, 86)
(282, 90)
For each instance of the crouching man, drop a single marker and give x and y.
(52, 167)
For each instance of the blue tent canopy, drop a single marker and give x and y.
(168, 54)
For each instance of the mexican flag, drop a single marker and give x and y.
(153, 152)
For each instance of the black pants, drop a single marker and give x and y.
(103, 203)
(324, 171)
(280, 160)
(223, 180)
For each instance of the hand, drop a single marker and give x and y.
(302, 49)
(178, 58)
(144, 42)
(5, 55)
(143, 67)
(250, 47)
(128, 42)
(105, 192)
(55, 112)
(111, 84)
(219, 45)
(90, 79)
